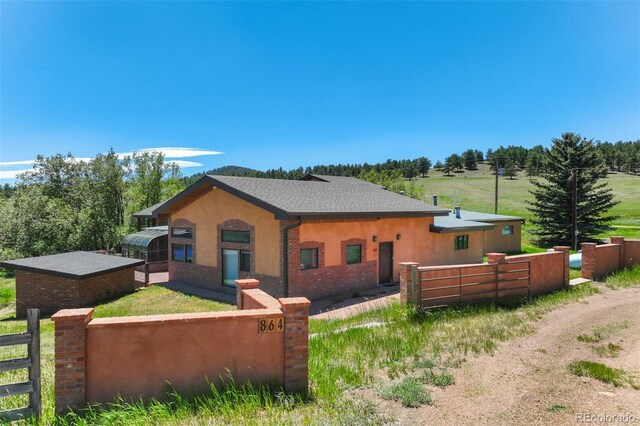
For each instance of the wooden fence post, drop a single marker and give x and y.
(33, 327)
(32, 363)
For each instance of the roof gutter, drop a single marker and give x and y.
(285, 254)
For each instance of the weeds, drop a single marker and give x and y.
(615, 376)
(410, 392)
(610, 350)
(441, 379)
(624, 279)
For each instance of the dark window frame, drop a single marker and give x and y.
(185, 248)
(511, 229)
(359, 246)
(313, 250)
(244, 265)
(461, 242)
(188, 233)
(230, 232)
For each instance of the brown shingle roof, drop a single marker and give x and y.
(334, 197)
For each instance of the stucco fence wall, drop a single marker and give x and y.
(602, 260)
(264, 341)
(500, 277)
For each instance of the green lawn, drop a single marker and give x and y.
(152, 300)
(474, 190)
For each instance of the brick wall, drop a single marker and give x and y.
(50, 293)
(325, 281)
(136, 357)
(105, 287)
(601, 260)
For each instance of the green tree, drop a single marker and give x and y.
(455, 162)
(510, 169)
(470, 159)
(553, 205)
(394, 181)
(424, 164)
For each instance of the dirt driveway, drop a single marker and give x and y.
(527, 380)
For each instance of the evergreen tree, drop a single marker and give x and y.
(423, 165)
(510, 169)
(553, 206)
(470, 159)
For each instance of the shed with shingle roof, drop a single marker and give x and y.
(70, 280)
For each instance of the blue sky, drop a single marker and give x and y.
(297, 84)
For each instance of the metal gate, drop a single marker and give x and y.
(31, 338)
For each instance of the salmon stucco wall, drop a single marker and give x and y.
(496, 242)
(547, 271)
(264, 342)
(415, 243)
(136, 357)
(631, 252)
(214, 208)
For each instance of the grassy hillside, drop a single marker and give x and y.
(474, 190)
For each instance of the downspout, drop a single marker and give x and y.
(285, 254)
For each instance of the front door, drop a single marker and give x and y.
(385, 263)
(230, 267)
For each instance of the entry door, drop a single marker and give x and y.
(385, 263)
(230, 267)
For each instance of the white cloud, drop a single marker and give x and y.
(184, 163)
(17, 163)
(169, 152)
(11, 174)
(173, 152)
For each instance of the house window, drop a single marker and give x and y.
(507, 230)
(309, 258)
(354, 254)
(182, 233)
(245, 261)
(182, 253)
(461, 242)
(236, 237)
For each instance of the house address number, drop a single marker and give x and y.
(270, 325)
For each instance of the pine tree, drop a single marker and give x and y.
(553, 206)
(510, 169)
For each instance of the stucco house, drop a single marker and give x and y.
(315, 237)
(502, 233)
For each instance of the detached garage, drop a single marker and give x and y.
(70, 280)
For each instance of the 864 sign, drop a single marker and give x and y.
(270, 325)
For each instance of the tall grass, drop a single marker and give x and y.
(411, 344)
(625, 278)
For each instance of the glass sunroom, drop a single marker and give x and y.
(150, 244)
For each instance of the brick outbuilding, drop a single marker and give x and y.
(70, 280)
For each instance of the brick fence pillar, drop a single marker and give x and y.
(494, 258)
(244, 285)
(588, 260)
(296, 343)
(565, 250)
(620, 242)
(70, 357)
(407, 286)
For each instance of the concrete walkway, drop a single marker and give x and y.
(335, 308)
